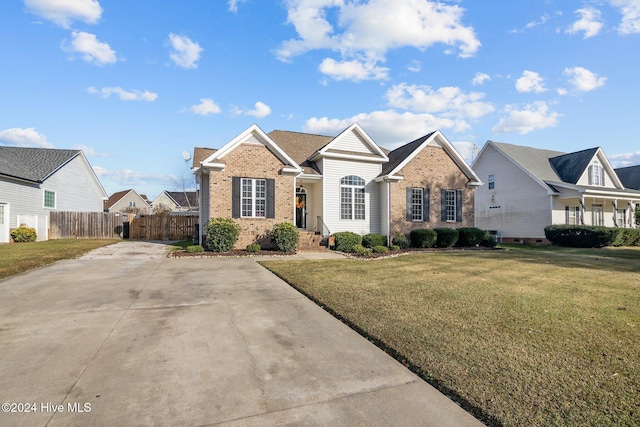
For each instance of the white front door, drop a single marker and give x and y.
(4, 223)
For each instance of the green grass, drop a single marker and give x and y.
(523, 337)
(20, 257)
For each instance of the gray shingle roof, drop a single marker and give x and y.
(534, 160)
(570, 167)
(180, 197)
(630, 177)
(300, 146)
(33, 164)
(399, 154)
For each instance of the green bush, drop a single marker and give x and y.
(394, 248)
(372, 239)
(469, 237)
(423, 238)
(401, 240)
(360, 250)
(24, 234)
(447, 237)
(192, 249)
(582, 236)
(253, 247)
(285, 236)
(222, 234)
(628, 237)
(345, 240)
(489, 241)
(380, 249)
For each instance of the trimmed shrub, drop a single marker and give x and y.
(401, 240)
(380, 249)
(394, 248)
(628, 237)
(193, 249)
(372, 239)
(345, 240)
(423, 238)
(582, 236)
(447, 237)
(24, 234)
(469, 237)
(285, 236)
(360, 250)
(253, 247)
(222, 234)
(489, 241)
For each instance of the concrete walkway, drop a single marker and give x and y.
(125, 336)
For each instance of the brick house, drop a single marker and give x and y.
(326, 184)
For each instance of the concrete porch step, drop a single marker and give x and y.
(310, 241)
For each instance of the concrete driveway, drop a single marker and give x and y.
(125, 336)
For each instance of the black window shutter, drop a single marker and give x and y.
(443, 205)
(271, 198)
(235, 197)
(426, 204)
(409, 204)
(458, 205)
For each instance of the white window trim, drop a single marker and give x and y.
(253, 197)
(44, 199)
(414, 192)
(352, 189)
(491, 181)
(453, 205)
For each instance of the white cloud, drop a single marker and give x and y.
(130, 178)
(590, 22)
(584, 80)
(186, 52)
(369, 29)
(480, 78)
(233, 5)
(91, 49)
(446, 101)
(261, 110)
(388, 128)
(530, 82)
(630, 10)
(415, 66)
(63, 12)
(20, 137)
(353, 70)
(206, 107)
(534, 116)
(135, 95)
(89, 151)
(625, 159)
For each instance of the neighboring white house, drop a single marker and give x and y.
(37, 181)
(127, 201)
(527, 189)
(177, 201)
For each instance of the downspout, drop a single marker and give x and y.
(388, 213)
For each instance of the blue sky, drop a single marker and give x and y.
(134, 84)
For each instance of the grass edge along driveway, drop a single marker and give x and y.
(20, 257)
(520, 337)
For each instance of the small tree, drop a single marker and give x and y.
(161, 209)
(222, 234)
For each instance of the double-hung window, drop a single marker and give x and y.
(450, 205)
(254, 198)
(49, 199)
(417, 204)
(492, 181)
(352, 199)
(596, 174)
(572, 215)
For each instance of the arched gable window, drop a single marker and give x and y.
(596, 174)
(352, 197)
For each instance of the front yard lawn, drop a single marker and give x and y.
(20, 257)
(523, 337)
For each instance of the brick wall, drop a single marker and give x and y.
(251, 161)
(431, 168)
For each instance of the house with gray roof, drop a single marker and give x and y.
(528, 188)
(36, 181)
(177, 201)
(630, 176)
(327, 184)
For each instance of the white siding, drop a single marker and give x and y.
(333, 171)
(517, 207)
(584, 179)
(351, 141)
(76, 190)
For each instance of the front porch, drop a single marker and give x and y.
(602, 211)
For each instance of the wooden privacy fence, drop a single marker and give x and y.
(163, 227)
(86, 225)
(114, 225)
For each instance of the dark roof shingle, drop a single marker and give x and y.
(630, 177)
(33, 164)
